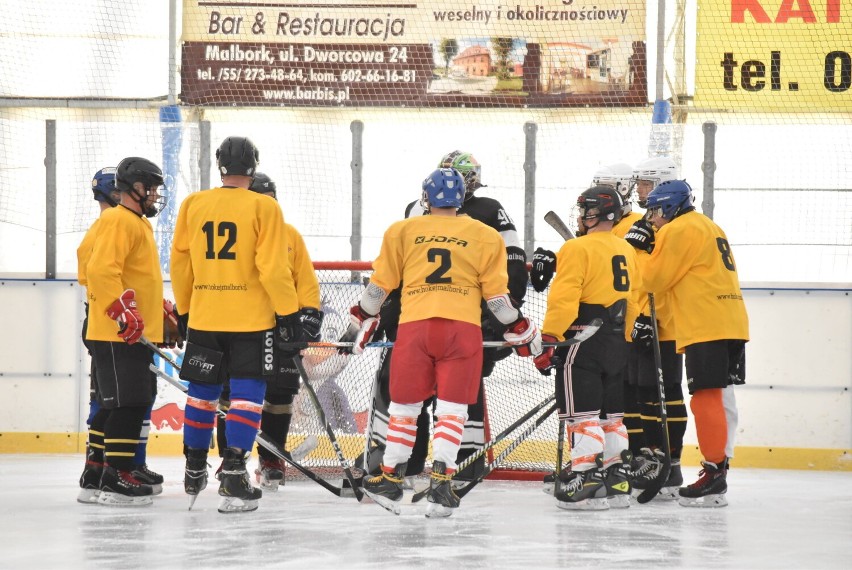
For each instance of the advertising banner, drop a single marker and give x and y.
(774, 55)
(424, 53)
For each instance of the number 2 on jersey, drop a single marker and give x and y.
(228, 229)
(442, 256)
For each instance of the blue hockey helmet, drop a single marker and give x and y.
(669, 199)
(444, 188)
(103, 186)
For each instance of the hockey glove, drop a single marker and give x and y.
(311, 320)
(123, 311)
(641, 235)
(544, 362)
(288, 329)
(643, 331)
(171, 327)
(362, 327)
(524, 335)
(543, 268)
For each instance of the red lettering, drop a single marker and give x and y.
(739, 8)
(786, 11)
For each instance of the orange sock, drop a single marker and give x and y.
(711, 426)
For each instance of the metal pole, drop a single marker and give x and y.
(708, 167)
(530, 130)
(661, 49)
(357, 165)
(173, 52)
(204, 154)
(50, 200)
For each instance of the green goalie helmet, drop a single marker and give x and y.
(469, 168)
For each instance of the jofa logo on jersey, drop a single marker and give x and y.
(440, 239)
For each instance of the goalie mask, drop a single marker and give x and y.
(469, 168)
(135, 169)
(263, 184)
(654, 170)
(670, 199)
(103, 187)
(237, 156)
(444, 188)
(619, 177)
(598, 203)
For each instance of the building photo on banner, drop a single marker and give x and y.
(659, 371)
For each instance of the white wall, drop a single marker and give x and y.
(799, 364)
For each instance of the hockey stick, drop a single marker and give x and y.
(586, 332)
(262, 439)
(560, 452)
(462, 491)
(657, 484)
(494, 441)
(297, 360)
(557, 224)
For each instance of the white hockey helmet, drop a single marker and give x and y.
(656, 170)
(619, 177)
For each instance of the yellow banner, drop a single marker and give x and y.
(774, 55)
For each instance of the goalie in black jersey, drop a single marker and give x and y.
(490, 212)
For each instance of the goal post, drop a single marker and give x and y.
(344, 384)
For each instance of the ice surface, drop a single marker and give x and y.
(776, 519)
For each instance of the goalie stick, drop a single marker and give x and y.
(657, 483)
(418, 496)
(262, 439)
(557, 224)
(586, 332)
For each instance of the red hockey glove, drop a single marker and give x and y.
(123, 311)
(544, 361)
(362, 327)
(525, 336)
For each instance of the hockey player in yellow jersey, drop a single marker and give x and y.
(124, 287)
(597, 274)
(689, 260)
(446, 264)
(284, 385)
(229, 278)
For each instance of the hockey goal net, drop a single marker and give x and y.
(345, 384)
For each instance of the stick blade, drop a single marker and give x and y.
(557, 224)
(657, 484)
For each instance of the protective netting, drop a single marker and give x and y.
(345, 383)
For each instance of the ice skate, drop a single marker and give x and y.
(195, 473)
(617, 482)
(671, 488)
(470, 473)
(122, 489)
(584, 491)
(148, 477)
(645, 469)
(386, 488)
(90, 482)
(442, 497)
(270, 473)
(550, 480)
(709, 490)
(236, 490)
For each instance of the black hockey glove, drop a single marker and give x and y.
(543, 268)
(311, 320)
(288, 329)
(641, 235)
(643, 331)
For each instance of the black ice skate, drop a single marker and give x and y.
(671, 488)
(386, 488)
(122, 489)
(585, 490)
(270, 473)
(90, 483)
(442, 497)
(148, 477)
(236, 489)
(470, 473)
(195, 473)
(710, 489)
(617, 482)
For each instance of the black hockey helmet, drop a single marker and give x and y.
(263, 184)
(237, 156)
(135, 169)
(600, 203)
